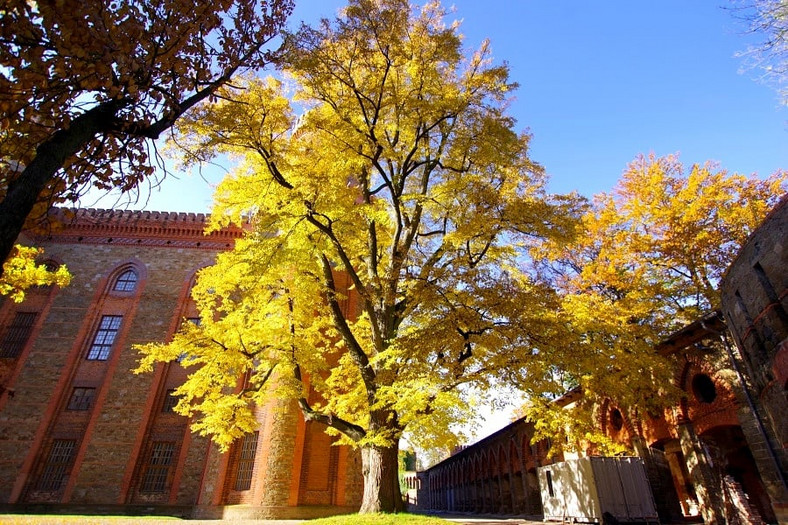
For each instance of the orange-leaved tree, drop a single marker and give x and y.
(648, 260)
(85, 86)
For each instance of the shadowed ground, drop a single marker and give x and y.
(16, 519)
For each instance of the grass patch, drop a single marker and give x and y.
(379, 519)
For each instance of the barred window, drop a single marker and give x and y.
(170, 400)
(57, 464)
(243, 478)
(81, 398)
(126, 282)
(155, 478)
(17, 334)
(105, 336)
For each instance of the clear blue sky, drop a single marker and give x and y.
(601, 82)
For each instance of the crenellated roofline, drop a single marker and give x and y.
(135, 228)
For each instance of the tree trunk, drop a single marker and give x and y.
(380, 467)
(24, 191)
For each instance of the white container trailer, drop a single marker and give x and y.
(597, 490)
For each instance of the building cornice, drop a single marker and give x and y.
(135, 228)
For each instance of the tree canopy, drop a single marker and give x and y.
(646, 262)
(85, 87)
(388, 216)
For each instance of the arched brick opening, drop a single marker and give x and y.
(20, 325)
(517, 481)
(733, 458)
(505, 479)
(162, 425)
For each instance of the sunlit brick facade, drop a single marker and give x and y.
(78, 428)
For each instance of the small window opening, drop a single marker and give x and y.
(17, 334)
(126, 282)
(57, 465)
(104, 338)
(81, 398)
(704, 389)
(243, 478)
(616, 419)
(157, 473)
(170, 400)
(549, 475)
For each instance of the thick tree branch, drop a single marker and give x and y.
(347, 264)
(154, 130)
(24, 192)
(340, 323)
(352, 431)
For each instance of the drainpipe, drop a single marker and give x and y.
(748, 396)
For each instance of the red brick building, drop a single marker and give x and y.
(78, 428)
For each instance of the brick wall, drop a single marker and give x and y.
(115, 437)
(755, 304)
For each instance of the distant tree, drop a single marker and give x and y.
(768, 21)
(407, 460)
(404, 176)
(647, 262)
(85, 86)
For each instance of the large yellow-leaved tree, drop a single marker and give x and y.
(402, 175)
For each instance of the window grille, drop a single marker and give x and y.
(81, 398)
(126, 282)
(105, 337)
(170, 400)
(17, 334)
(155, 478)
(243, 478)
(57, 464)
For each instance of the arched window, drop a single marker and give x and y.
(126, 282)
(616, 419)
(703, 388)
